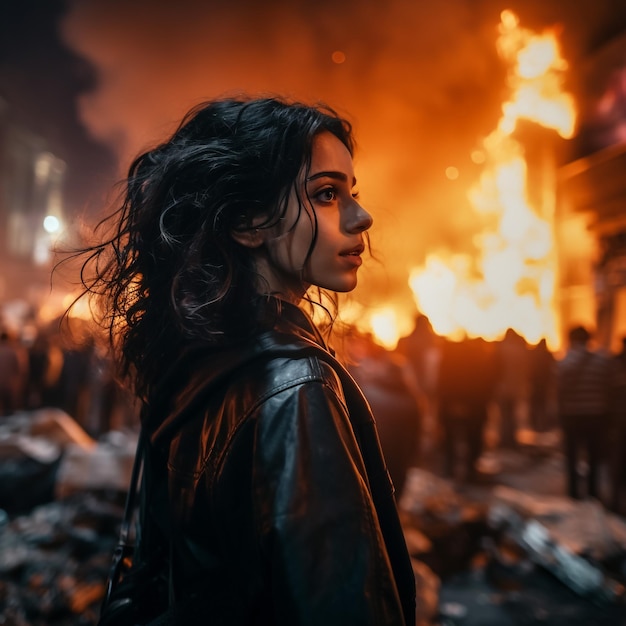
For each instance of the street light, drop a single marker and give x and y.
(51, 224)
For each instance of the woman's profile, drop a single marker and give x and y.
(263, 474)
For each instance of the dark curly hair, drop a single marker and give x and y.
(171, 275)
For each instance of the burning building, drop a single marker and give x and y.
(592, 202)
(511, 281)
(549, 238)
(509, 277)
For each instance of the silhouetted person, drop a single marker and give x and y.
(618, 496)
(541, 380)
(586, 389)
(75, 378)
(421, 350)
(38, 366)
(512, 356)
(465, 387)
(10, 375)
(387, 382)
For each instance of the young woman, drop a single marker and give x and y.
(263, 474)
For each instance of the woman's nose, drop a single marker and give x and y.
(358, 220)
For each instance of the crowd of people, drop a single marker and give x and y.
(40, 367)
(523, 390)
(468, 389)
(478, 395)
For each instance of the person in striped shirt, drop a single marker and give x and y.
(587, 381)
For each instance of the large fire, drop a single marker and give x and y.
(511, 282)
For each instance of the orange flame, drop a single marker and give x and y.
(512, 282)
(385, 324)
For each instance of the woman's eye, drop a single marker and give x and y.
(327, 195)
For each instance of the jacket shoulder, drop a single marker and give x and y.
(214, 420)
(280, 373)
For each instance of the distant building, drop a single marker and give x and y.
(592, 202)
(31, 211)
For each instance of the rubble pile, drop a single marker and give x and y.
(55, 560)
(582, 544)
(512, 558)
(453, 525)
(61, 502)
(502, 556)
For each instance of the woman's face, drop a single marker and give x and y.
(341, 222)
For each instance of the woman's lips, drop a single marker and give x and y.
(356, 251)
(353, 256)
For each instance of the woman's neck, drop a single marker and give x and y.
(277, 283)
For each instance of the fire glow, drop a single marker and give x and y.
(511, 282)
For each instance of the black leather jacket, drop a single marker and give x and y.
(280, 505)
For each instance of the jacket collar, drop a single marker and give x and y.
(201, 369)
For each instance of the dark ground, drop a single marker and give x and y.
(522, 594)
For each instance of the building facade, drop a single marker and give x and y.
(31, 213)
(592, 203)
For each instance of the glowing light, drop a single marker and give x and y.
(338, 57)
(51, 224)
(386, 325)
(80, 308)
(452, 173)
(478, 157)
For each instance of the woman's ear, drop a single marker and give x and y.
(248, 237)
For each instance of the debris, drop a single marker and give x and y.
(427, 586)
(55, 560)
(579, 574)
(108, 465)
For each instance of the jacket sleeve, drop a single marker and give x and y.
(315, 517)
